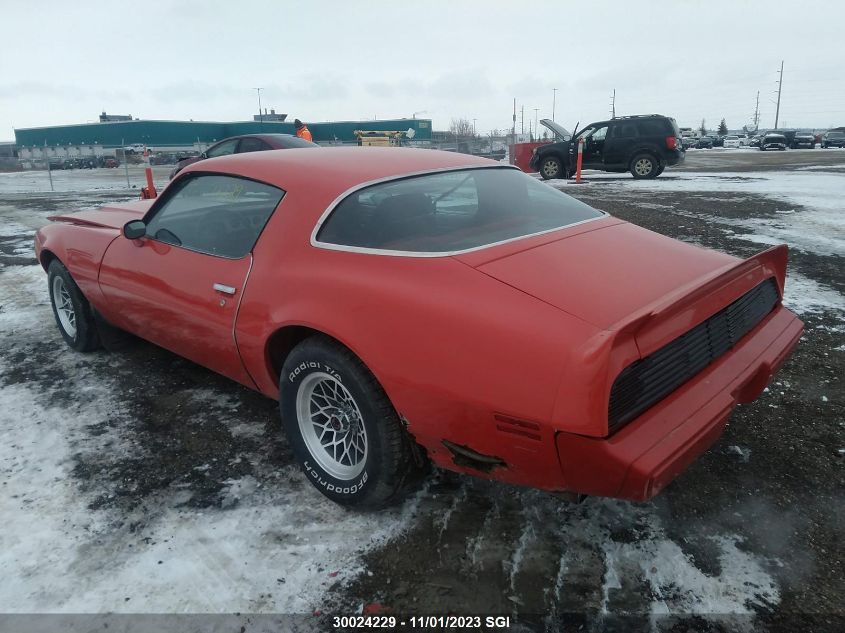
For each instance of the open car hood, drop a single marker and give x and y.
(559, 131)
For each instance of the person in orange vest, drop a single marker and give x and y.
(302, 130)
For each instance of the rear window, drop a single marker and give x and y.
(450, 211)
(656, 127)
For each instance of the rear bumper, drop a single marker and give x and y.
(648, 453)
(674, 158)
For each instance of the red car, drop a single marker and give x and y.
(242, 145)
(407, 305)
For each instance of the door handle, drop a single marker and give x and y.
(229, 290)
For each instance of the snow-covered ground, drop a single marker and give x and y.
(264, 549)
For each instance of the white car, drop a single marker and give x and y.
(732, 141)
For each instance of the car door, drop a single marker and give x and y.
(594, 147)
(180, 285)
(617, 146)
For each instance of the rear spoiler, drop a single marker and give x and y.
(679, 311)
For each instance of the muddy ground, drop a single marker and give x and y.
(749, 538)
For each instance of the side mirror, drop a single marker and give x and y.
(203, 156)
(134, 230)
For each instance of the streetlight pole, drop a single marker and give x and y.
(260, 114)
(554, 98)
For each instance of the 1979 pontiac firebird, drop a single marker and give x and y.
(408, 305)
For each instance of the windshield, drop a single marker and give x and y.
(836, 134)
(449, 212)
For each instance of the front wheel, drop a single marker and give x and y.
(71, 309)
(343, 430)
(551, 167)
(644, 166)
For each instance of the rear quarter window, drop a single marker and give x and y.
(655, 127)
(450, 212)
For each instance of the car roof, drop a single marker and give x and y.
(334, 170)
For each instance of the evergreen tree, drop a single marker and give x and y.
(703, 128)
(723, 128)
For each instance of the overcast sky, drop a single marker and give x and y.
(64, 62)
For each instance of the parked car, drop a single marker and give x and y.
(705, 142)
(242, 145)
(689, 142)
(833, 139)
(718, 140)
(803, 139)
(109, 162)
(731, 141)
(755, 140)
(773, 141)
(644, 145)
(408, 306)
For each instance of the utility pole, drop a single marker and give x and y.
(780, 87)
(260, 114)
(522, 119)
(473, 126)
(514, 121)
(613, 105)
(554, 98)
(757, 113)
(536, 123)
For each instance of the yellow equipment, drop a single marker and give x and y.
(379, 138)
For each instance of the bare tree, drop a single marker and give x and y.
(461, 128)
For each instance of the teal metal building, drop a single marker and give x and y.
(163, 135)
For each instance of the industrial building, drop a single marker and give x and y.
(104, 137)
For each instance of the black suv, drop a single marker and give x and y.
(834, 138)
(643, 145)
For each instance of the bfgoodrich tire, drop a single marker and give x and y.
(342, 428)
(71, 309)
(644, 166)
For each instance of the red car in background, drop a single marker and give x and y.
(242, 145)
(408, 305)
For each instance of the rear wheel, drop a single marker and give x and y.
(343, 430)
(71, 309)
(644, 166)
(551, 167)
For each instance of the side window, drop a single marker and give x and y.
(216, 215)
(599, 134)
(651, 128)
(625, 130)
(225, 148)
(252, 145)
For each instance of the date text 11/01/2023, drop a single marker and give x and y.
(365, 622)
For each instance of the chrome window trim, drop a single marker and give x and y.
(392, 253)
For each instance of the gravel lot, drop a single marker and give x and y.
(135, 481)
